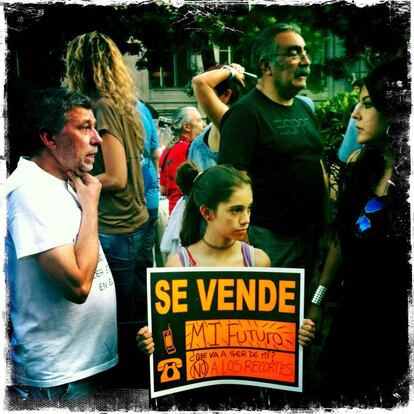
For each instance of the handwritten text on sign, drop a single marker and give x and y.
(227, 361)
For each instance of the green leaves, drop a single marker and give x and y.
(332, 117)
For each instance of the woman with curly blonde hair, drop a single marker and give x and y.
(96, 68)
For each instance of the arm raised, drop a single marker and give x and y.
(210, 102)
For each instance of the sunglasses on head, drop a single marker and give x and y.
(364, 223)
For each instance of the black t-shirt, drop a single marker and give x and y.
(280, 148)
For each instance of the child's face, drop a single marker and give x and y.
(232, 218)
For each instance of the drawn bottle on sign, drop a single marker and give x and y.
(168, 341)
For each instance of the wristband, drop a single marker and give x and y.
(233, 72)
(318, 295)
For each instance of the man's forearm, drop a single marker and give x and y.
(86, 247)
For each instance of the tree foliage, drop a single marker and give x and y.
(153, 29)
(332, 118)
(37, 35)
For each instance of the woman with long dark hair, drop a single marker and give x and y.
(365, 359)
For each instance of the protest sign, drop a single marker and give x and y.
(225, 326)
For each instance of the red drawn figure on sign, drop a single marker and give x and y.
(169, 368)
(168, 341)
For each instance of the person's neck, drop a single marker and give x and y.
(268, 89)
(184, 137)
(49, 163)
(216, 243)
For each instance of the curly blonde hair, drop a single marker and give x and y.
(95, 67)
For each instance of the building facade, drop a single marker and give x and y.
(168, 87)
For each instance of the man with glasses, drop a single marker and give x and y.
(272, 135)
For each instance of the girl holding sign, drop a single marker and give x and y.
(215, 223)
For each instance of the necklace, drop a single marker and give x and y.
(218, 247)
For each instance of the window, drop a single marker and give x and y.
(174, 72)
(225, 55)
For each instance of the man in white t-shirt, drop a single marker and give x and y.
(61, 291)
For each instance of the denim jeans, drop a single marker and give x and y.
(122, 251)
(145, 259)
(71, 391)
(298, 251)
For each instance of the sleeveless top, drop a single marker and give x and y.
(249, 258)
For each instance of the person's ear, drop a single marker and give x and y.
(226, 96)
(187, 126)
(265, 66)
(205, 212)
(48, 139)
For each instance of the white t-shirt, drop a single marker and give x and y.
(170, 241)
(54, 341)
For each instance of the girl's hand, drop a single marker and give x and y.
(145, 342)
(307, 332)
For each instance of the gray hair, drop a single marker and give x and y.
(180, 116)
(265, 45)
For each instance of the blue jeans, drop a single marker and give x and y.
(122, 251)
(71, 391)
(145, 259)
(288, 251)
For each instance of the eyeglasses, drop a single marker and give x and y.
(364, 223)
(293, 54)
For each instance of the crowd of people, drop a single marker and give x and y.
(247, 190)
